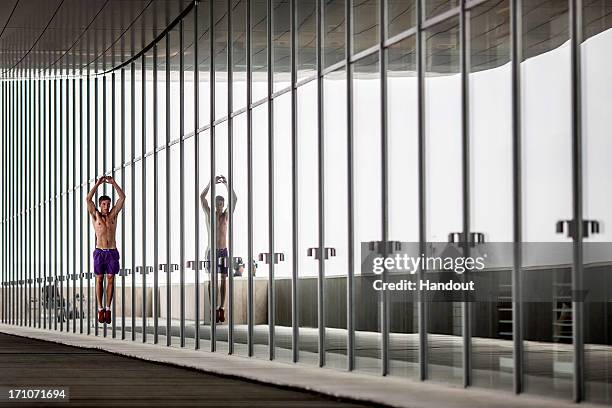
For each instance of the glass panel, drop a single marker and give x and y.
(283, 226)
(239, 225)
(220, 58)
(491, 171)
(365, 24)
(204, 62)
(308, 222)
(334, 34)
(435, 7)
(174, 241)
(401, 15)
(259, 56)
(221, 170)
(239, 53)
(402, 150)
(261, 229)
(307, 39)
(547, 195)
(597, 117)
(367, 206)
(281, 44)
(190, 206)
(335, 164)
(443, 186)
(204, 235)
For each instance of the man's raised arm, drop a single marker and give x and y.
(91, 207)
(119, 205)
(203, 200)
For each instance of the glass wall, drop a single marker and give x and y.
(329, 127)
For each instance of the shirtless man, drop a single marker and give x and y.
(222, 218)
(106, 256)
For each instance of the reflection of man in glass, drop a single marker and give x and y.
(220, 260)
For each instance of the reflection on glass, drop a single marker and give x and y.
(334, 34)
(261, 230)
(259, 38)
(401, 15)
(444, 190)
(281, 44)
(596, 118)
(365, 24)
(367, 206)
(283, 227)
(239, 225)
(239, 47)
(547, 194)
(435, 7)
(402, 151)
(308, 222)
(491, 169)
(307, 39)
(336, 222)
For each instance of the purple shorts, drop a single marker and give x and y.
(221, 253)
(106, 261)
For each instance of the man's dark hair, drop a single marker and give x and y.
(103, 198)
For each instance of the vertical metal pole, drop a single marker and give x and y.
(39, 198)
(76, 189)
(517, 316)
(382, 63)
(113, 143)
(123, 164)
(133, 191)
(144, 269)
(28, 189)
(4, 257)
(20, 199)
(45, 204)
(182, 177)
(155, 204)
(81, 198)
(251, 260)
(321, 154)
(212, 241)
(67, 238)
(295, 320)
(196, 143)
(230, 205)
(422, 310)
(60, 218)
(169, 267)
(465, 136)
(103, 172)
(88, 150)
(96, 175)
(577, 270)
(271, 314)
(350, 296)
(56, 197)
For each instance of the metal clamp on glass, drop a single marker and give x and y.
(327, 252)
(49, 278)
(86, 275)
(458, 238)
(382, 247)
(168, 267)
(125, 272)
(222, 261)
(73, 276)
(192, 265)
(588, 227)
(60, 278)
(144, 269)
(29, 281)
(278, 257)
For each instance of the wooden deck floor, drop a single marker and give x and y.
(96, 378)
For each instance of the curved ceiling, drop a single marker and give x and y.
(71, 36)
